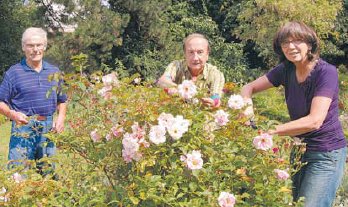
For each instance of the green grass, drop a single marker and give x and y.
(4, 140)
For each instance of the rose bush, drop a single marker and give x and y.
(129, 143)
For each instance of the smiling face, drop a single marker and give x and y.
(33, 48)
(295, 50)
(295, 42)
(196, 53)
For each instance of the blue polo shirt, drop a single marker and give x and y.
(30, 92)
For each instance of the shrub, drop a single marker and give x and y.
(113, 155)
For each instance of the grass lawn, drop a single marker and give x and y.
(4, 139)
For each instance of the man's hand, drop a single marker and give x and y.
(165, 81)
(215, 103)
(18, 117)
(171, 91)
(58, 125)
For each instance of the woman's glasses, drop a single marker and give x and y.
(286, 43)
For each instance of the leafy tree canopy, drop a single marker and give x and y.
(144, 36)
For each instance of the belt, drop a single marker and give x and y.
(41, 118)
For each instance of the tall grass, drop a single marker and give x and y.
(4, 140)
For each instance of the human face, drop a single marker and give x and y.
(196, 53)
(295, 50)
(33, 48)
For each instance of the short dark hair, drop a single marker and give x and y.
(297, 30)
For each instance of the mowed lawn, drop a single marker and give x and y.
(4, 139)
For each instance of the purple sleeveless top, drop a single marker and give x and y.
(322, 81)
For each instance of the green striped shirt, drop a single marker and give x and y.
(211, 78)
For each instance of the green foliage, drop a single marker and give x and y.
(14, 18)
(95, 174)
(92, 170)
(186, 18)
(259, 20)
(343, 99)
(338, 40)
(142, 37)
(160, 178)
(2, 119)
(262, 101)
(5, 128)
(99, 31)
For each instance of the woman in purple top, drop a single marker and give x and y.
(311, 93)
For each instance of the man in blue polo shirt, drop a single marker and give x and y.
(29, 99)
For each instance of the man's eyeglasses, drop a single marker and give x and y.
(286, 43)
(32, 46)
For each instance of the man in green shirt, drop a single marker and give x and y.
(195, 68)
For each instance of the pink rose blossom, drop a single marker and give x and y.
(172, 91)
(144, 143)
(297, 141)
(195, 101)
(17, 177)
(117, 131)
(221, 117)
(281, 174)
(165, 119)
(157, 134)
(175, 131)
(3, 197)
(184, 123)
(263, 141)
(3, 190)
(178, 127)
(226, 199)
(130, 148)
(137, 80)
(249, 111)
(280, 160)
(110, 79)
(194, 160)
(132, 142)
(108, 137)
(128, 156)
(105, 92)
(95, 136)
(183, 158)
(236, 102)
(187, 89)
(138, 131)
(275, 150)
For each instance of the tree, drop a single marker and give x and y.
(97, 32)
(14, 18)
(139, 36)
(260, 19)
(339, 39)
